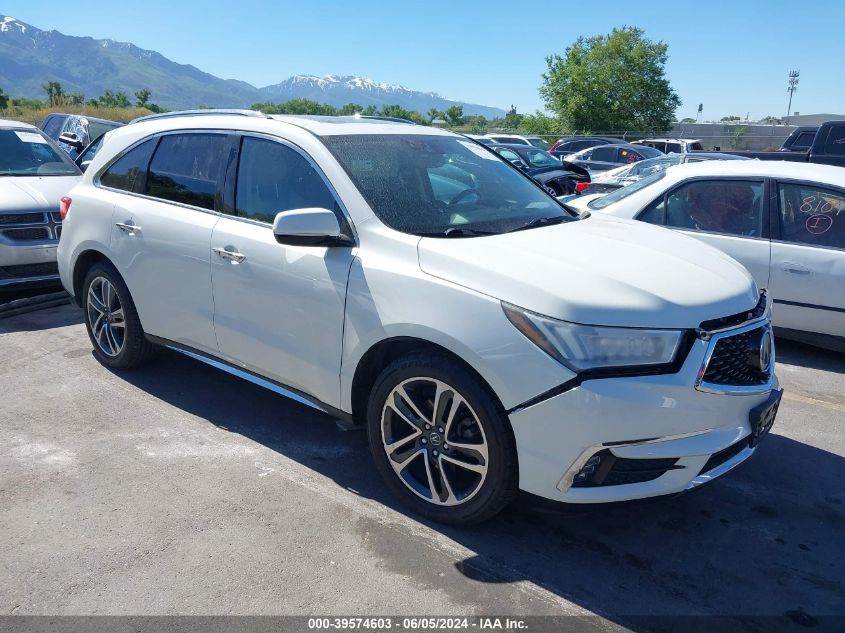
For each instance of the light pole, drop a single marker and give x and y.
(792, 87)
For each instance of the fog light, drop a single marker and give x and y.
(588, 470)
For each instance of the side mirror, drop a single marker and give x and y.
(69, 138)
(309, 227)
(84, 165)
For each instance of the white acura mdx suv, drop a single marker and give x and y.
(410, 280)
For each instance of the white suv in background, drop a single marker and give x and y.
(409, 279)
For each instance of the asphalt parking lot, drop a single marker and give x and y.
(177, 489)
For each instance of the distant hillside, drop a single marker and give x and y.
(30, 57)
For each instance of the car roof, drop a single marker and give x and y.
(7, 123)
(762, 169)
(516, 146)
(668, 140)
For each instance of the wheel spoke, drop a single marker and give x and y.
(434, 496)
(406, 398)
(94, 301)
(108, 294)
(450, 494)
(398, 444)
(403, 417)
(481, 469)
(118, 319)
(400, 466)
(457, 401)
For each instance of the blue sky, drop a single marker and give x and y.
(731, 56)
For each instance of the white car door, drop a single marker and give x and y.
(278, 308)
(808, 258)
(728, 213)
(161, 238)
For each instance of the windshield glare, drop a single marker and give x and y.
(539, 142)
(624, 192)
(429, 184)
(539, 158)
(26, 152)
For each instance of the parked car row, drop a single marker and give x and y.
(784, 222)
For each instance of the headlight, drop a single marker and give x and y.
(581, 347)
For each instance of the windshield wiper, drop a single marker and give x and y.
(533, 224)
(455, 231)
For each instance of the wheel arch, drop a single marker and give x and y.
(384, 352)
(84, 261)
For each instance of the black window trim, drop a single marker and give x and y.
(776, 222)
(231, 177)
(766, 212)
(158, 136)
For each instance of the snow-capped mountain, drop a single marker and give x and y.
(30, 57)
(340, 90)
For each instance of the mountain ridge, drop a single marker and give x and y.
(30, 57)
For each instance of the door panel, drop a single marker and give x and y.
(166, 265)
(808, 261)
(278, 309)
(279, 312)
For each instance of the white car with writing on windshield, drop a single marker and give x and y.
(410, 280)
(785, 222)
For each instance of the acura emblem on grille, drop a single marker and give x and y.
(765, 350)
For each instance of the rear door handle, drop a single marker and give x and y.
(128, 228)
(232, 256)
(796, 269)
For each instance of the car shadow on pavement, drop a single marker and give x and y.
(766, 539)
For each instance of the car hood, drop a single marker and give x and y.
(34, 193)
(601, 271)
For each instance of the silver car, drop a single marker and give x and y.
(34, 175)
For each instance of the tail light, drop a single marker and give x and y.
(581, 186)
(552, 148)
(64, 207)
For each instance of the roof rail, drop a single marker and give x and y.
(378, 117)
(206, 112)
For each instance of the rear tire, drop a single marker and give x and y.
(112, 320)
(441, 441)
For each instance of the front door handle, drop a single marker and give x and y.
(796, 269)
(232, 256)
(128, 228)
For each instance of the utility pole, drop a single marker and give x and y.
(792, 87)
(700, 114)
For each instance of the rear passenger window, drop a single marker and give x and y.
(835, 141)
(186, 168)
(607, 154)
(129, 172)
(811, 215)
(804, 141)
(733, 207)
(272, 177)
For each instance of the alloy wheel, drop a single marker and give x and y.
(434, 441)
(106, 317)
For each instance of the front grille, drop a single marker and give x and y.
(22, 218)
(717, 459)
(56, 217)
(736, 360)
(606, 469)
(736, 319)
(28, 234)
(58, 231)
(29, 270)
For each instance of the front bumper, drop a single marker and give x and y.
(662, 418)
(28, 247)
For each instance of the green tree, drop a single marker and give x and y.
(142, 97)
(434, 113)
(349, 109)
(75, 98)
(611, 82)
(688, 119)
(736, 136)
(771, 120)
(55, 94)
(4, 100)
(111, 99)
(454, 115)
(539, 123)
(395, 111)
(728, 119)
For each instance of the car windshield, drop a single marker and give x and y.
(442, 186)
(649, 152)
(624, 192)
(651, 165)
(28, 152)
(539, 158)
(539, 142)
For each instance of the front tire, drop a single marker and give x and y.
(441, 440)
(112, 320)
